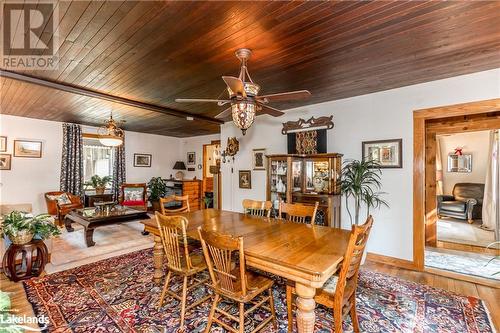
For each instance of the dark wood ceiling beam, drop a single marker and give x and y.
(103, 96)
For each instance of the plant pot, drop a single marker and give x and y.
(156, 205)
(100, 190)
(22, 237)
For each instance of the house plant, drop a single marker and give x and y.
(157, 189)
(22, 227)
(98, 183)
(360, 184)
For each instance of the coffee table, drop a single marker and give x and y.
(92, 218)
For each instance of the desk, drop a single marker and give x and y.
(305, 254)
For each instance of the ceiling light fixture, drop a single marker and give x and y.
(110, 134)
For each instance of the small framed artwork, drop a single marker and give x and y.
(27, 148)
(258, 159)
(142, 160)
(245, 179)
(388, 153)
(191, 158)
(5, 161)
(3, 143)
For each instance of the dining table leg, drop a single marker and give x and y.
(305, 307)
(158, 260)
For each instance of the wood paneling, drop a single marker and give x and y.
(156, 51)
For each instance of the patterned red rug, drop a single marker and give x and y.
(118, 295)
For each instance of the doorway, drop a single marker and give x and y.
(212, 175)
(432, 252)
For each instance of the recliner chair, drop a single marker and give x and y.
(465, 203)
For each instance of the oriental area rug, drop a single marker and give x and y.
(118, 295)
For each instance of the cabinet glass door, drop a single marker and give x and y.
(317, 176)
(279, 186)
(297, 176)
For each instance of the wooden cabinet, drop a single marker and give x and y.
(307, 179)
(193, 188)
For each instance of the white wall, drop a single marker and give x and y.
(195, 144)
(382, 115)
(475, 143)
(29, 178)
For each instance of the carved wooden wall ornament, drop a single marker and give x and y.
(305, 125)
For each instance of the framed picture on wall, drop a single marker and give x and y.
(388, 153)
(27, 148)
(191, 158)
(5, 161)
(259, 159)
(142, 160)
(3, 143)
(245, 179)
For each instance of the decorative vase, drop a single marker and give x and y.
(22, 237)
(100, 190)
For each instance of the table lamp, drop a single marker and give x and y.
(179, 165)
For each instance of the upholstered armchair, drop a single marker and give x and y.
(134, 196)
(465, 203)
(61, 203)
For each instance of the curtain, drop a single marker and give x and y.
(439, 168)
(72, 160)
(491, 209)
(118, 170)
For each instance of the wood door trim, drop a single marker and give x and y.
(204, 166)
(419, 128)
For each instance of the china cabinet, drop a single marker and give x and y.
(306, 179)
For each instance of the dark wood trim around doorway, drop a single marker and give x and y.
(472, 116)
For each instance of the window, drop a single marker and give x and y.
(97, 159)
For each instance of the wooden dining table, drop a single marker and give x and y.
(306, 254)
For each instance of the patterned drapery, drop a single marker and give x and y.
(72, 160)
(119, 170)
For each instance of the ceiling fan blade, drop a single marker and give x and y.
(286, 96)
(270, 110)
(201, 100)
(235, 84)
(225, 115)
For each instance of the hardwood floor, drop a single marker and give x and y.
(491, 296)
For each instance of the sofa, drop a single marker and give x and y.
(465, 203)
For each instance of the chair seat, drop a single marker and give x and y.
(330, 285)
(453, 206)
(256, 284)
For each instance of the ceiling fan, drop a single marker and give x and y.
(244, 97)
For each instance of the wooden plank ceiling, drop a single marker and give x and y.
(155, 52)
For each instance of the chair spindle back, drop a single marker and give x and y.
(183, 199)
(220, 251)
(177, 254)
(257, 208)
(298, 212)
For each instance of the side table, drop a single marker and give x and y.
(25, 261)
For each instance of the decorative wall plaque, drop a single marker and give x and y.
(305, 125)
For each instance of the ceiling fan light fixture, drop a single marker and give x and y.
(243, 113)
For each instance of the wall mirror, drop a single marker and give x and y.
(460, 163)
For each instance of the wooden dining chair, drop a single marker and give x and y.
(232, 281)
(179, 260)
(298, 212)
(173, 211)
(339, 291)
(257, 208)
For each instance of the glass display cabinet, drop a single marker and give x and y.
(307, 179)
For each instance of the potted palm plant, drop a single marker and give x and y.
(360, 184)
(22, 227)
(98, 183)
(157, 189)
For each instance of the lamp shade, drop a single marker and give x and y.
(179, 165)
